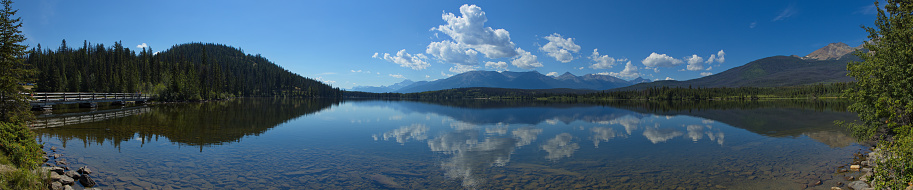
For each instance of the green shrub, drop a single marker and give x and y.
(18, 143)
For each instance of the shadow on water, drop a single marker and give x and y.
(192, 124)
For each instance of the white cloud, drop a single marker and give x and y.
(660, 60)
(603, 61)
(399, 76)
(375, 55)
(469, 29)
(669, 78)
(629, 72)
(360, 71)
(706, 74)
(709, 68)
(526, 60)
(416, 62)
(427, 76)
(552, 74)
(450, 52)
(445, 74)
(561, 49)
(142, 46)
(867, 10)
(560, 147)
(753, 24)
(786, 13)
(719, 57)
(695, 63)
(462, 68)
(500, 65)
(325, 80)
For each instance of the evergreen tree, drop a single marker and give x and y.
(882, 95)
(18, 142)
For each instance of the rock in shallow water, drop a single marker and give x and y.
(84, 170)
(71, 174)
(87, 181)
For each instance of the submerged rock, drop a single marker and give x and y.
(87, 181)
(385, 181)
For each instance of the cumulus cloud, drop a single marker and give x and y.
(669, 78)
(397, 76)
(719, 57)
(661, 135)
(500, 65)
(526, 60)
(142, 46)
(629, 72)
(695, 63)
(603, 61)
(462, 68)
(706, 74)
(327, 81)
(469, 29)
(404, 134)
(416, 62)
(450, 52)
(562, 49)
(375, 55)
(660, 60)
(560, 147)
(552, 74)
(602, 134)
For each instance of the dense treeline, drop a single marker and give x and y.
(653, 93)
(194, 71)
(724, 93)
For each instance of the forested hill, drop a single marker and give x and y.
(193, 71)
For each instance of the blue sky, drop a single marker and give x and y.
(372, 43)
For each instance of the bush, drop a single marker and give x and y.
(18, 143)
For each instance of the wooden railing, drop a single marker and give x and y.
(77, 118)
(51, 98)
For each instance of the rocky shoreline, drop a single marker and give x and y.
(864, 165)
(62, 177)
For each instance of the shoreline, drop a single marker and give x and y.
(61, 176)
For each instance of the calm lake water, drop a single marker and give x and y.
(471, 144)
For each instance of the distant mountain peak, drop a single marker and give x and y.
(639, 80)
(833, 51)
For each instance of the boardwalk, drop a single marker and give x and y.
(53, 98)
(85, 117)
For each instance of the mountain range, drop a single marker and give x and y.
(519, 80)
(821, 66)
(825, 65)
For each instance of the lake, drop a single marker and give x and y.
(260, 143)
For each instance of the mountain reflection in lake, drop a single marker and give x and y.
(471, 144)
